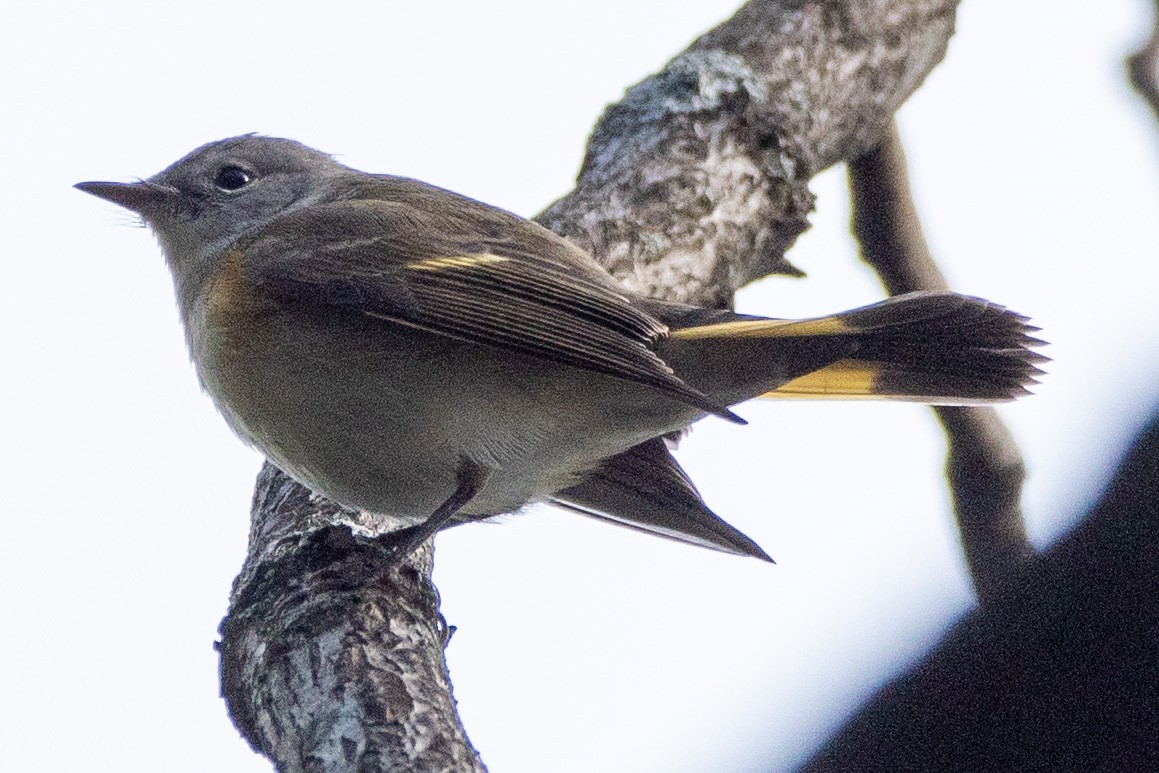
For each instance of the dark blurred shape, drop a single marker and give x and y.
(1061, 673)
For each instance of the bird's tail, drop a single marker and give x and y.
(930, 347)
(644, 488)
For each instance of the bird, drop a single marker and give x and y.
(402, 349)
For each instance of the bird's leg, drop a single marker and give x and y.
(471, 477)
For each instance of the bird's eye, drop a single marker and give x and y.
(232, 178)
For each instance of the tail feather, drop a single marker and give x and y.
(933, 347)
(936, 347)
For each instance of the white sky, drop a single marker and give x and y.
(126, 499)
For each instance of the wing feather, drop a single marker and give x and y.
(396, 264)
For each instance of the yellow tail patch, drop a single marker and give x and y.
(842, 380)
(766, 328)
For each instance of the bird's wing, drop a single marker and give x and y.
(400, 264)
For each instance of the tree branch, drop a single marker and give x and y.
(692, 186)
(985, 468)
(332, 653)
(696, 183)
(1143, 68)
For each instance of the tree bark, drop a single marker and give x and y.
(692, 186)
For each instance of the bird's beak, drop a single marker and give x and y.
(141, 197)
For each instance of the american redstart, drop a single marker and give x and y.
(402, 349)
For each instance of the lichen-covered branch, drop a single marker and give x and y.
(332, 654)
(696, 182)
(985, 468)
(693, 185)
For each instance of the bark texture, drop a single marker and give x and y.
(693, 185)
(696, 182)
(332, 653)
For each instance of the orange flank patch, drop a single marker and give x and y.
(232, 298)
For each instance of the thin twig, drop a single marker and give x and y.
(1143, 67)
(985, 468)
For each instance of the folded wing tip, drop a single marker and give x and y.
(761, 555)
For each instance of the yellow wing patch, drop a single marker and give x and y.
(842, 380)
(766, 328)
(456, 261)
